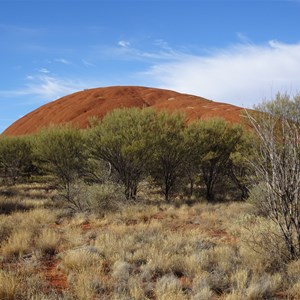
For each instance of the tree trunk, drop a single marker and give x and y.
(242, 187)
(130, 191)
(209, 180)
(210, 197)
(167, 192)
(191, 187)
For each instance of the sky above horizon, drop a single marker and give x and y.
(239, 52)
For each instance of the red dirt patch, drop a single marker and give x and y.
(56, 278)
(86, 227)
(186, 282)
(222, 234)
(79, 107)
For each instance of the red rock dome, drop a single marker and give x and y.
(79, 107)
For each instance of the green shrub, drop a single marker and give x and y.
(62, 152)
(212, 142)
(15, 158)
(105, 197)
(124, 139)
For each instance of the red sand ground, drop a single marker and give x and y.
(57, 279)
(79, 107)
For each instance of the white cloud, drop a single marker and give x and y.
(243, 74)
(87, 63)
(46, 88)
(124, 44)
(49, 88)
(62, 61)
(44, 70)
(126, 51)
(243, 38)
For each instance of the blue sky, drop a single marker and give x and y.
(239, 52)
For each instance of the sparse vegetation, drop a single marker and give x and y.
(140, 251)
(277, 166)
(119, 242)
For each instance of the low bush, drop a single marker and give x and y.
(104, 198)
(262, 247)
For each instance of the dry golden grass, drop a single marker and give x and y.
(80, 259)
(18, 244)
(168, 288)
(294, 291)
(139, 252)
(24, 233)
(260, 246)
(47, 241)
(8, 286)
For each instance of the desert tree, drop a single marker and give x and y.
(277, 165)
(61, 150)
(238, 167)
(170, 151)
(213, 142)
(15, 158)
(123, 138)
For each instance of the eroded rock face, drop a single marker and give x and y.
(79, 107)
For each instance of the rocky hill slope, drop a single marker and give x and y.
(79, 107)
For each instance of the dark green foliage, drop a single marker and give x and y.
(170, 151)
(62, 152)
(128, 145)
(212, 142)
(15, 158)
(124, 139)
(142, 142)
(239, 168)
